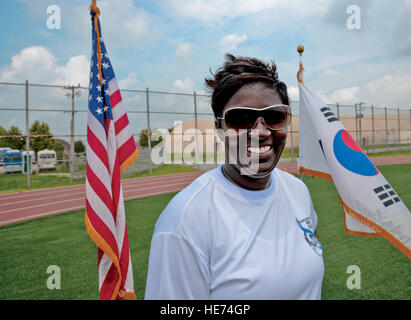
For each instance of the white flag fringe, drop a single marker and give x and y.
(371, 206)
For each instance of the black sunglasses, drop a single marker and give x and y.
(276, 117)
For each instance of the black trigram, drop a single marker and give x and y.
(328, 114)
(387, 195)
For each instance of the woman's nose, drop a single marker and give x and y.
(260, 130)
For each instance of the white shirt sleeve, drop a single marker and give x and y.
(176, 269)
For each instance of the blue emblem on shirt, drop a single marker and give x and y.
(310, 236)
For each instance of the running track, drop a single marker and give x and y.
(15, 207)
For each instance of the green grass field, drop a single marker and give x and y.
(28, 248)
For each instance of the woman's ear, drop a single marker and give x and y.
(217, 123)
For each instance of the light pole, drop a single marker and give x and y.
(74, 92)
(359, 116)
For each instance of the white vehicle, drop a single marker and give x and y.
(46, 159)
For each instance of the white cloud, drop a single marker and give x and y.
(38, 65)
(390, 89)
(30, 62)
(184, 85)
(231, 41)
(184, 51)
(129, 82)
(75, 71)
(293, 93)
(344, 95)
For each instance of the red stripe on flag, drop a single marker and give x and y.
(121, 123)
(109, 284)
(126, 150)
(100, 254)
(97, 147)
(124, 258)
(115, 185)
(101, 190)
(107, 122)
(115, 98)
(101, 228)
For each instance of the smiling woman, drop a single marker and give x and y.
(244, 230)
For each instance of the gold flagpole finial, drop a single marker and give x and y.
(94, 8)
(300, 50)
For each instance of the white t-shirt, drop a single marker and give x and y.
(216, 240)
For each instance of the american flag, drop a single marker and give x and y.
(111, 149)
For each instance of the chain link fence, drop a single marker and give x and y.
(179, 118)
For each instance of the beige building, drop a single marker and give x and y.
(182, 139)
(186, 139)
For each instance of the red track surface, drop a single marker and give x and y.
(15, 207)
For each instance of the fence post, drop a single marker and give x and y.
(292, 142)
(399, 127)
(150, 165)
(386, 129)
(356, 124)
(360, 115)
(338, 111)
(28, 165)
(196, 128)
(72, 136)
(372, 123)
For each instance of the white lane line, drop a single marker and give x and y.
(40, 215)
(43, 198)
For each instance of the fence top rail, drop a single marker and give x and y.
(12, 84)
(30, 84)
(363, 105)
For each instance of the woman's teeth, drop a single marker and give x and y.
(259, 150)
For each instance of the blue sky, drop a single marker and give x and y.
(170, 45)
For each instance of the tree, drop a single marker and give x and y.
(3, 141)
(16, 143)
(79, 146)
(59, 148)
(144, 138)
(156, 137)
(40, 143)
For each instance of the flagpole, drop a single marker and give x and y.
(96, 10)
(300, 50)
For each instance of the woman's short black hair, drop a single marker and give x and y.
(238, 71)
